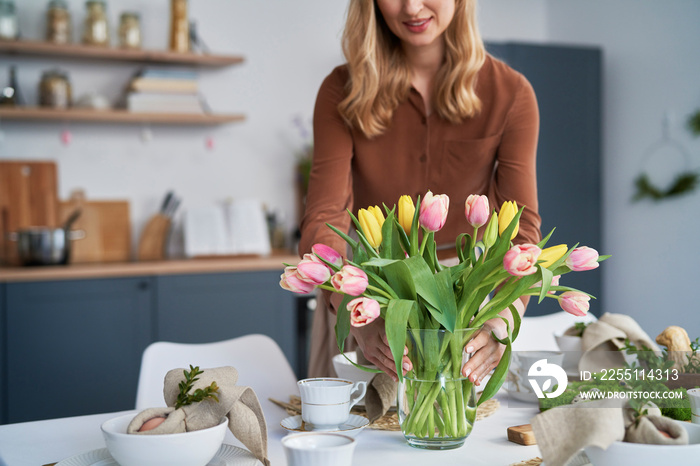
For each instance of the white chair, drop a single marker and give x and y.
(260, 363)
(537, 333)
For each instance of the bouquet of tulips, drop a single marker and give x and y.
(395, 275)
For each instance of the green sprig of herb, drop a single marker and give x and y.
(184, 399)
(580, 327)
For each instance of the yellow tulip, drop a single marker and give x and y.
(371, 221)
(552, 254)
(406, 212)
(505, 216)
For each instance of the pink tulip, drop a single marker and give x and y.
(521, 259)
(363, 311)
(583, 258)
(350, 280)
(433, 211)
(574, 302)
(476, 209)
(291, 281)
(328, 254)
(312, 270)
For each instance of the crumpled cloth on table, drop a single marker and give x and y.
(239, 404)
(602, 340)
(562, 431)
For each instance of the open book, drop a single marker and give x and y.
(231, 228)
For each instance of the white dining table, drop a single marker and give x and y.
(41, 442)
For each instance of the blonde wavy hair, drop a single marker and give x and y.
(380, 78)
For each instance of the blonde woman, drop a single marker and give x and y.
(419, 105)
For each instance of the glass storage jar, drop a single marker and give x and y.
(130, 31)
(58, 22)
(55, 89)
(179, 26)
(8, 20)
(96, 29)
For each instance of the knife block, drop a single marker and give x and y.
(154, 238)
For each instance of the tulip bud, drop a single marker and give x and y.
(521, 260)
(575, 302)
(433, 211)
(328, 254)
(371, 221)
(476, 209)
(291, 281)
(583, 258)
(406, 212)
(491, 232)
(363, 311)
(552, 254)
(350, 280)
(508, 211)
(313, 271)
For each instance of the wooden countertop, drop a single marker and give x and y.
(130, 269)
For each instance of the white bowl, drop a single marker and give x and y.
(634, 454)
(346, 370)
(571, 347)
(194, 448)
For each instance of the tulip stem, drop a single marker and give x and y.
(426, 234)
(381, 292)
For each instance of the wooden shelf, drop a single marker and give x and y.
(47, 49)
(115, 116)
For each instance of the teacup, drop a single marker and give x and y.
(318, 449)
(326, 402)
(694, 396)
(524, 367)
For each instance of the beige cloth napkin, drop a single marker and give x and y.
(562, 431)
(603, 339)
(381, 394)
(240, 404)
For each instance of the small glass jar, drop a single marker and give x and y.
(9, 29)
(55, 90)
(130, 31)
(96, 29)
(179, 26)
(58, 23)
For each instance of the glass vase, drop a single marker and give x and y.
(436, 404)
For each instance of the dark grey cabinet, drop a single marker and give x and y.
(74, 347)
(567, 81)
(212, 307)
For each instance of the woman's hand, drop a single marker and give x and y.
(372, 341)
(487, 352)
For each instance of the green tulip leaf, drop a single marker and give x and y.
(342, 326)
(499, 376)
(397, 315)
(547, 276)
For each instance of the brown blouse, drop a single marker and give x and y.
(493, 153)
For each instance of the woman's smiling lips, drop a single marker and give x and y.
(418, 25)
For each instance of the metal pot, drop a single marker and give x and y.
(45, 246)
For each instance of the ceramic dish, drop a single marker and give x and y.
(351, 428)
(633, 454)
(228, 455)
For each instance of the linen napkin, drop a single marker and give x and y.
(381, 394)
(239, 404)
(603, 339)
(562, 431)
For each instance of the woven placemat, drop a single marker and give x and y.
(390, 421)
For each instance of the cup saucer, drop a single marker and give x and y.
(351, 427)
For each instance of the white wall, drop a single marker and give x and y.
(650, 68)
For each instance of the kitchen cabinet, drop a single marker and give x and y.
(213, 307)
(44, 50)
(73, 347)
(567, 82)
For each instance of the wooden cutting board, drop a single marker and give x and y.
(28, 197)
(107, 229)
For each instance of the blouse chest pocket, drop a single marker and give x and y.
(469, 160)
